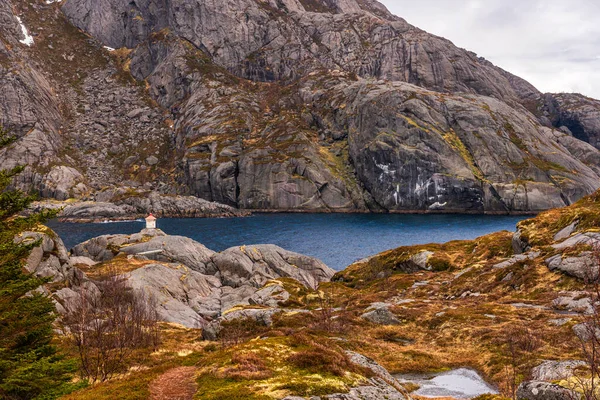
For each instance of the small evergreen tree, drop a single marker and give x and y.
(30, 366)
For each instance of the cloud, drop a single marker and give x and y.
(554, 44)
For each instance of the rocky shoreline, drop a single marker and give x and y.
(95, 212)
(136, 207)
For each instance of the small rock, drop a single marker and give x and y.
(559, 321)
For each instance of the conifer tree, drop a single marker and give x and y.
(30, 365)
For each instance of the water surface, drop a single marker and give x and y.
(460, 383)
(337, 239)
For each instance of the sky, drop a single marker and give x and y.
(554, 44)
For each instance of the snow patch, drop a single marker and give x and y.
(385, 168)
(438, 206)
(52, 1)
(28, 41)
(109, 48)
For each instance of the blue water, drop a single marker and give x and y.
(337, 239)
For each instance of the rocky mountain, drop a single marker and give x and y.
(313, 105)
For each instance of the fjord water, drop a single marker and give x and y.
(336, 239)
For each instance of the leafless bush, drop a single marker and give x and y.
(586, 380)
(240, 330)
(520, 344)
(325, 318)
(107, 328)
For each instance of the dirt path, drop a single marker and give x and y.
(175, 384)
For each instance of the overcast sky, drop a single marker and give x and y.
(554, 44)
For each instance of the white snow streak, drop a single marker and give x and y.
(28, 41)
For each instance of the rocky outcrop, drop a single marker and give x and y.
(50, 259)
(176, 291)
(139, 206)
(176, 249)
(383, 386)
(582, 266)
(575, 302)
(192, 285)
(256, 265)
(575, 114)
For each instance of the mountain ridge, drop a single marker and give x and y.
(244, 103)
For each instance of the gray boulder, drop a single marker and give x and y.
(586, 331)
(519, 245)
(530, 255)
(577, 302)
(258, 264)
(589, 238)
(379, 313)
(550, 371)
(62, 183)
(582, 266)
(536, 390)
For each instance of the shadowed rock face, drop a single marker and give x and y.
(316, 105)
(575, 114)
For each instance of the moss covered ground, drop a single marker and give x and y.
(461, 313)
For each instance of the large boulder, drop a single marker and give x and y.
(537, 390)
(50, 258)
(551, 371)
(63, 183)
(256, 265)
(582, 266)
(379, 313)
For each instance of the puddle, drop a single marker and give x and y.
(460, 383)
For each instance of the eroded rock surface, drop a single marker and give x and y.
(193, 285)
(289, 105)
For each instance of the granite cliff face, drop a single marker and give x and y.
(309, 105)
